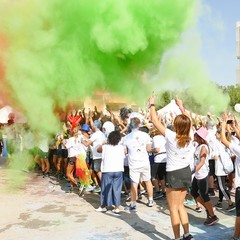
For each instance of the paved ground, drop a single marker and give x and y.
(37, 208)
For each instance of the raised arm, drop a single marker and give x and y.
(223, 131)
(154, 118)
(181, 107)
(236, 127)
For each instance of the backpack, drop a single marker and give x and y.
(226, 162)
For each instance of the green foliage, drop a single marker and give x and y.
(234, 95)
(163, 98)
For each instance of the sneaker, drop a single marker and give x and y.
(211, 194)
(191, 202)
(211, 220)
(69, 190)
(89, 189)
(190, 236)
(143, 192)
(150, 203)
(100, 209)
(97, 190)
(158, 195)
(218, 205)
(139, 196)
(116, 211)
(130, 208)
(231, 207)
(80, 190)
(198, 209)
(128, 199)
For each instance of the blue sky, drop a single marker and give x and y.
(217, 27)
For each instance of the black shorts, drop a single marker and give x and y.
(237, 201)
(180, 178)
(62, 153)
(54, 151)
(72, 160)
(211, 167)
(200, 187)
(158, 170)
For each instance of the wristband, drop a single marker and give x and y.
(152, 105)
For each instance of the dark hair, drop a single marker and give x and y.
(114, 138)
(124, 112)
(144, 129)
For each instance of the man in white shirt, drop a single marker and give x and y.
(138, 144)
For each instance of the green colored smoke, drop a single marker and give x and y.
(63, 50)
(182, 68)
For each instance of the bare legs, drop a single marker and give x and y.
(178, 213)
(70, 170)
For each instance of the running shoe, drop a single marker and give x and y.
(198, 209)
(211, 221)
(89, 188)
(218, 205)
(130, 208)
(150, 203)
(69, 190)
(81, 190)
(189, 236)
(211, 194)
(100, 209)
(191, 202)
(231, 207)
(158, 195)
(97, 190)
(116, 211)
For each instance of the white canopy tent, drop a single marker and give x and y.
(173, 109)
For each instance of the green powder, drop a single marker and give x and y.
(63, 50)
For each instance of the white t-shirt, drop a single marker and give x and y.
(159, 141)
(211, 139)
(136, 143)
(220, 151)
(204, 170)
(43, 143)
(97, 138)
(29, 140)
(177, 158)
(235, 148)
(112, 158)
(75, 147)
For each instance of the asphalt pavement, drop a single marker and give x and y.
(37, 208)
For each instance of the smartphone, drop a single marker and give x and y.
(229, 121)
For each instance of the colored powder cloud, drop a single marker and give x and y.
(63, 50)
(182, 68)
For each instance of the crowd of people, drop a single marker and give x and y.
(135, 153)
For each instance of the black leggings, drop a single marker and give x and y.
(221, 181)
(200, 188)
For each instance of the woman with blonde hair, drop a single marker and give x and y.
(179, 151)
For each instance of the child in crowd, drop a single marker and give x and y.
(199, 189)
